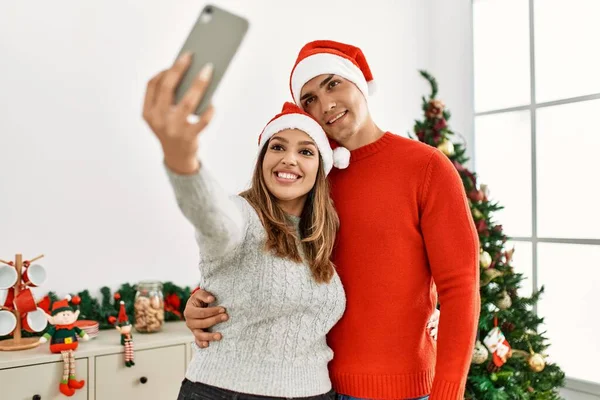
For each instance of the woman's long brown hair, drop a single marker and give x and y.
(319, 223)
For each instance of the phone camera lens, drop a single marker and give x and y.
(208, 10)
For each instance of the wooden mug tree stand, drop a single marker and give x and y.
(18, 342)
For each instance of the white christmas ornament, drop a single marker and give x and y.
(480, 353)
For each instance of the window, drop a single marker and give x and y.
(537, 146)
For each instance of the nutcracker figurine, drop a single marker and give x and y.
(63, 339)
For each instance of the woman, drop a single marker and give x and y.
(264, 253)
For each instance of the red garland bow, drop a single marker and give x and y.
(172, 304)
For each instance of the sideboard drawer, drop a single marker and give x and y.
(23, 383)
(157, 374)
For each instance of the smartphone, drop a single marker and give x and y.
(215, 38)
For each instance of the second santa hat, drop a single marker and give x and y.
(293, 117)
(330, 57)
(123, 319)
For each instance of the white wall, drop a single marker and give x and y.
(81, 175)
(451, 53)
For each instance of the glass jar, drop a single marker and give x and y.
(149, 307)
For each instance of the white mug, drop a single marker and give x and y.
(8, 276)
(8, 322)
(34, 275)
(35, 321)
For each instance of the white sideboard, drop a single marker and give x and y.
(160, 362)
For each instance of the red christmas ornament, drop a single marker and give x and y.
(508, 326)
(437, 138)
(441, 124)
(112, 319)
(117, 296)
(482, 227)
(76, 300)
(476, 195)
(172, 304)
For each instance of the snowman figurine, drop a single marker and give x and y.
(63, 335)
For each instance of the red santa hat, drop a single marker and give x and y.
(61, 305)
(293, 117)
(123, 319)
(329, 57)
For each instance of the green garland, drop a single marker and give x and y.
(90, 308)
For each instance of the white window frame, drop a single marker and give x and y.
(579, 385)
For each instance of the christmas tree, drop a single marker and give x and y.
(509, 356)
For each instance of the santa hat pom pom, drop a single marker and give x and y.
(121, 302)
(341, 157)
(372, 87)
(68, 297)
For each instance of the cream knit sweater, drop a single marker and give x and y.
(274, 341)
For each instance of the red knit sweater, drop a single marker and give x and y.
(405, 223)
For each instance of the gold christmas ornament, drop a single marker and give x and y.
(477, 214)
(446, 147)
(485, 260)
(480, 353)
(536, 362)
(504, 302)
(489, 275)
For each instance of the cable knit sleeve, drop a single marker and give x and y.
(452, 249)
(219, 219)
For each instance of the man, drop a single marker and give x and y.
(405, 224)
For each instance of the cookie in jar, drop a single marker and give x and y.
(149, 309)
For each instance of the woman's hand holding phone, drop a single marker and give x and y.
(171, 123)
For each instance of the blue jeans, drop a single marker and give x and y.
(346, 397)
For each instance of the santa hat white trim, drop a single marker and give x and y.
(327, 63)
(341, 157)
(305, 124)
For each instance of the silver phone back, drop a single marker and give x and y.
(215, 38)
